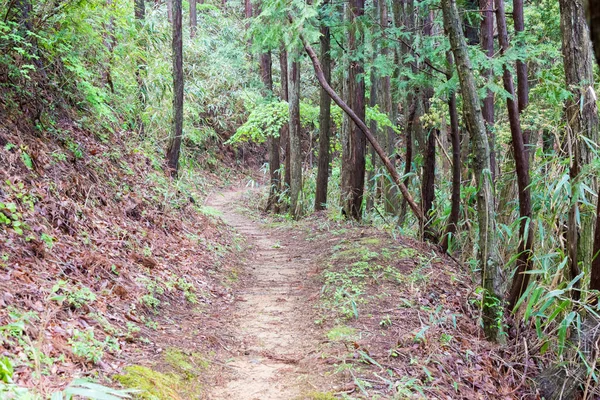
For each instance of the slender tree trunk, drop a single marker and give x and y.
(487, 45)
(456, 176)
(582, 117)
(411, 108)
(372, 184)
(363, 127)
(521, 278)
(248, 9)
(193, 18)
(428, 177)
(109, 42)
(295, 148)
(140, 72)
(594, 23)
(177, 128)
(522, 79)
(428, 184)
(385, 101)
(353, 162)
(285, 134)
(169, 11)
(266, 75)
(324, 125)
(488, 257)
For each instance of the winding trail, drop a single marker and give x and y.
(272, 324)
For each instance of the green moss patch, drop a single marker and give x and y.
(153, 385)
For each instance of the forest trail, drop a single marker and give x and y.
(271, 325)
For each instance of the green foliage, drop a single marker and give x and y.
(265, 120)
(86, 346)
(73, 296)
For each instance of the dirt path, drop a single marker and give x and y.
(273, 331)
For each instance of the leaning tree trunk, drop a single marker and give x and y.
(365, 130)
(324, 125)
(177, 127)
(582, 118)
(353, 160)
(488, 257)
(295, 154)
(521, 278)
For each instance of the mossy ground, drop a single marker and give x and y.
(180, 382)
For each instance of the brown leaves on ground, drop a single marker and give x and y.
(94, 216)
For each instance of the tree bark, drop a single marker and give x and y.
(177, 127)
(487, 45)
(285, 133)
(295, 148)
(488, 257)
(522, 79)
(385, 104)
(140, 71)
(594, 24)
(266, 75)
(324, 125)
(193, 18)
(169, 11)
(363, 127)
(525, 249)
(582, 117)
(456, 176)
(353, 157)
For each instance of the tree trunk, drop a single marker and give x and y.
(140, 72)
(324, 125)
(266, 75)
(428, 185)
(363, 127)
(522, 79)
(169, 11)
(285, 133)
(295, 154)
(248, 10)
(488, 257)
(385, 104)
(521, 278)
(177, 127)
(487, 45)
(582, 117)
(594, 23)
(193, 18)
(456, 176)
(428, 177)
(353, 160)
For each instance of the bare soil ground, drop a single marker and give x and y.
(275, 337)
(339, 310)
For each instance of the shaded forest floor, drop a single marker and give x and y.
(112, 272)
(330, 310)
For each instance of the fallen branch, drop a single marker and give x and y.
(363, 127)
